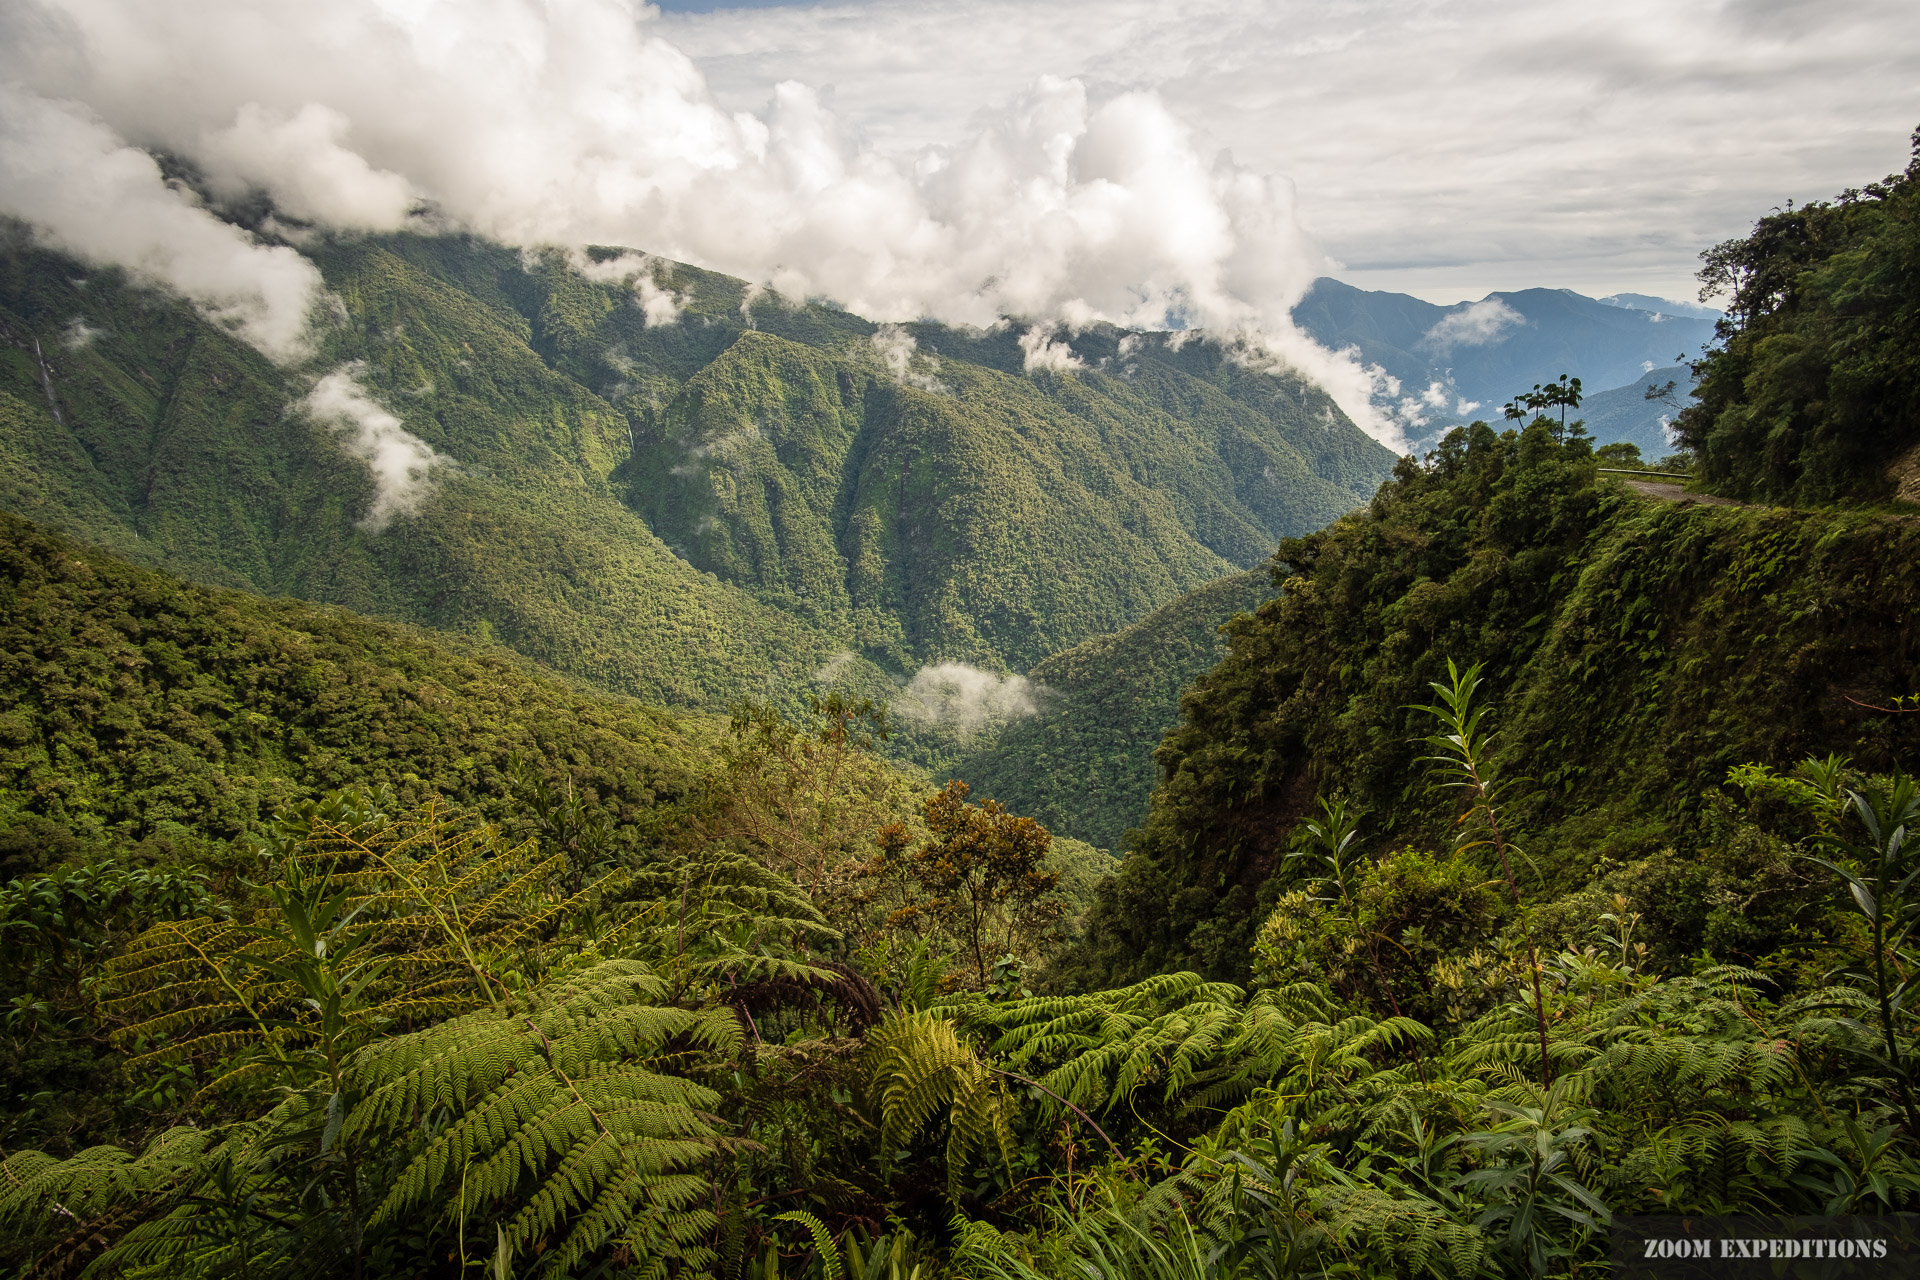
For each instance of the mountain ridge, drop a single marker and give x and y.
(574, 521)
(1451, 364)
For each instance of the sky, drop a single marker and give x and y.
(1444, 150)
(973, 161)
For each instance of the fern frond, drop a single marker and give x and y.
(556, 1103)
(919, 1065)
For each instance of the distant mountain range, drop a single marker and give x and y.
(659, 481)
(654, 478)
(1662, 306)
(1450, 365)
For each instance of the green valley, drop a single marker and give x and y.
(458, 810)
(684, 511)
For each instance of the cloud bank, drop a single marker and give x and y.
(964, 700)
(1447, 150)
(88, 193)
(577, 122)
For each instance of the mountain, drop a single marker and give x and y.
(1634, 652)
(1661, 306)
(685, 500)
(1083, 762)
(157, 435)
(142, 710)
(1453, 364)
(1621, 413)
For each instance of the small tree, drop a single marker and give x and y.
(1562, 395)
(808, 797)
(983, 874)
(1880, 872)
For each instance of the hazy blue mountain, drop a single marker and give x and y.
(1665, 306)
(1457, 363)
(1625, 413)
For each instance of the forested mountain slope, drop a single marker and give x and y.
(136, 707)
(1634, 652)
(182, 448)
(683, 500)
(1083, 764)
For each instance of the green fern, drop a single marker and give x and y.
(920, 1065)
(376, 924)
(561, 1119)
(822, 1240)
(1204, 1042)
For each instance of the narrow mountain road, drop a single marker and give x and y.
(1666, 491)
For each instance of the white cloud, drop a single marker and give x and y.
(79, 334)
(830, 670)
(300, 159)
(1472, 325)
(578, 123)
(1445, 150)
(88, 193)
(402, 464)
(965, 700)
(1091, 159)
(640, 272)
(1039, 350)
(900, 354)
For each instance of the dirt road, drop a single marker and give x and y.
(1668, 491)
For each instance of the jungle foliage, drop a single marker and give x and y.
(1084, 763)
(1641, 651)
(1809, 396)
(413, 1050)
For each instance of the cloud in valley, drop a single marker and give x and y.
(1040, 350)
(639, 272)
(904, 362)
(964, 700)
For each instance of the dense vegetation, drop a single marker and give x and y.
(674, 507)
(1537, 854)
(1810, 394)
(179, 447)
(140, 709)
(1083, 764)
(1638, 651)
(418, 1046)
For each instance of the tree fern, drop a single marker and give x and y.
(562, 1120)
(375, 924)
(1187, 1036)
(919, 1066)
